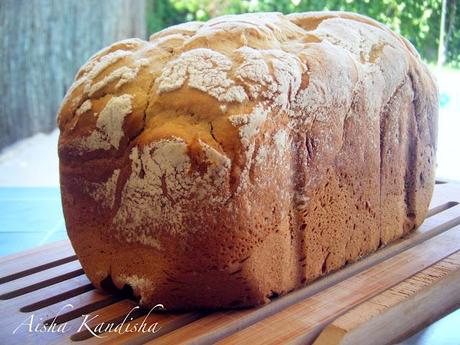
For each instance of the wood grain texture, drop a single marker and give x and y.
(13, 317)
(42, 45)
(33, 260)
(39, 279)
(425, 296)
(165, 323)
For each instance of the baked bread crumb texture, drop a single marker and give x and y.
(220, 164)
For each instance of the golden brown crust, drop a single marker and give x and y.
(221, 163)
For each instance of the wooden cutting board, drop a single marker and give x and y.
(45, 298)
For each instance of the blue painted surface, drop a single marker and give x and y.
(29, 217)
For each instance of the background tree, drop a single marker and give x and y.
(42, 44)
(417, 20)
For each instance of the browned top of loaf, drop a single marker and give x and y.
(210, 86)
(197, 80)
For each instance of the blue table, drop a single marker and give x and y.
(29, 217)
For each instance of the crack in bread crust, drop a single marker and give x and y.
(244, 157)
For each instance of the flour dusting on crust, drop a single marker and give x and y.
(272, 73)
(122, 75)
(92, 70)
(205, 70)
(109, 126)
(249, 124)
(104, 192)
(84, 107)
(281, 140)
(160, 185)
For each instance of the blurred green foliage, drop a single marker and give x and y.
(417, 20)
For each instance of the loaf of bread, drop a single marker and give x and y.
(221, 164)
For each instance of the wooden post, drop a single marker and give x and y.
(42, 45)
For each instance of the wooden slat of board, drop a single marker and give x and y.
(446, 192)
(90, 303)
(39, 297)
(85, 299)
(76, 306)
(360, 285)
(447, 217)
(40, 316)
(164, 323)
(12, 317)
(35, 260)
(425, 296)
(53, 294)
(302, 322)
(56, 250)
(40, 279)
(105, 314)
(115, 314)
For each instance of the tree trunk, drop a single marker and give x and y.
(42, 45)
(442, 29)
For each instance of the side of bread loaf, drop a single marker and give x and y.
(222, 163)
